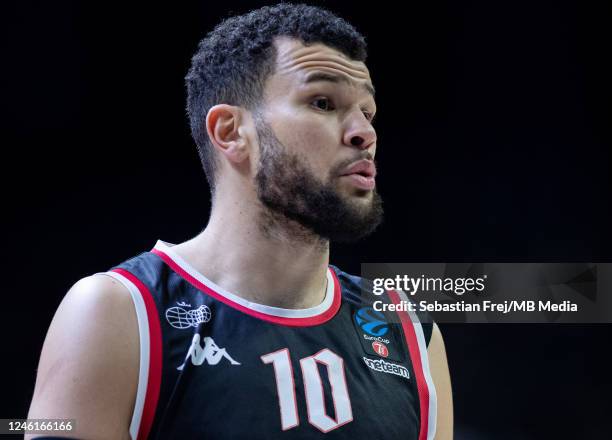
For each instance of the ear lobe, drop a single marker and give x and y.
(223, 126)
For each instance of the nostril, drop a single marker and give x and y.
(356, 141)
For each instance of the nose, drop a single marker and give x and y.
(359, 132)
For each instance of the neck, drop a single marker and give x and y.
(260, 256)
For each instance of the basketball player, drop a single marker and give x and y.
(245, 331)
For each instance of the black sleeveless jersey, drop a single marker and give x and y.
(216, 366)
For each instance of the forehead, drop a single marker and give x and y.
(296, 63)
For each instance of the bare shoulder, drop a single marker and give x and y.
(441, 378)
(88, 369)
(436, 344)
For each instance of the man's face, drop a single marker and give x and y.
(317, 143)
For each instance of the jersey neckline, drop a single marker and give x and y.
(290, 317)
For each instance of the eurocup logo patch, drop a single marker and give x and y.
(371, 321)
(377, 335)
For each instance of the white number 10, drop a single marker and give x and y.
(313, 389)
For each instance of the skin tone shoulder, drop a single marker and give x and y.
(316, 115)
(88, 368)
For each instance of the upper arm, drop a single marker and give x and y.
(88, 369)
(441, 378)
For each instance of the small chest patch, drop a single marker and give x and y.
(377, 336)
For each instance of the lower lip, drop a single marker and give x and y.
(360, 181)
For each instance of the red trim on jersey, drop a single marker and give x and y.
(293, 322)
(415, 356)
(155, 356)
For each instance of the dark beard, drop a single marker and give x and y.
(290, 191)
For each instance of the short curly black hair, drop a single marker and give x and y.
(233, 61)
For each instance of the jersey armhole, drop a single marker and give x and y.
(150, 360)
(427, 331)
(415, 333)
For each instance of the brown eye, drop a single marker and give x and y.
(369, 116)
(323, 104)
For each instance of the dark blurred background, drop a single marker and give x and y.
(494, 145)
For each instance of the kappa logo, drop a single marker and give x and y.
(387, 367)
(211, 353)
(372, 321)
(180, 318)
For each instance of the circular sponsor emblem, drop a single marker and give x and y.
(380, 348)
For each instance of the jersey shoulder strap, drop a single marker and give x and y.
(356, 288)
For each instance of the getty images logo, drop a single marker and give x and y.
(371, 321)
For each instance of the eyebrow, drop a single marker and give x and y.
(322, 76)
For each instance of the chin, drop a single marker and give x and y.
(361, 195)
(353, 192)
(361, 204)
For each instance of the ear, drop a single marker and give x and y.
(223, 124)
